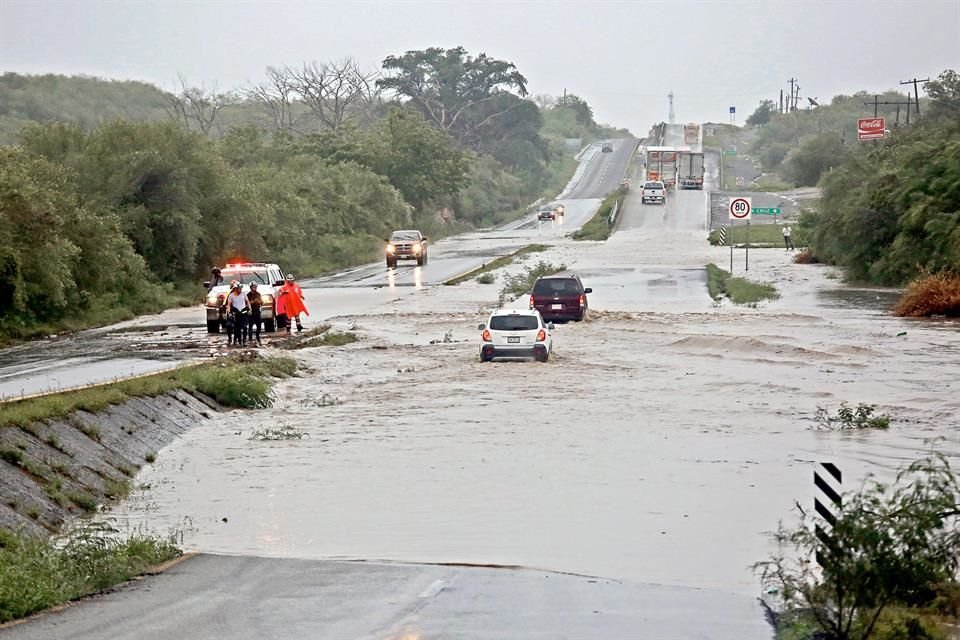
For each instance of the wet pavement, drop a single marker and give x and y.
(280, 599)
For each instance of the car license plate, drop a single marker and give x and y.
(513, 340)
(557, 306)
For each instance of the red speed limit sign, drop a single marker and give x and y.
(740, 208)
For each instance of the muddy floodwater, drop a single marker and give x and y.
(662, 441)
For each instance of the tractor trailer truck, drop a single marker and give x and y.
(662, 165)
(691, 170)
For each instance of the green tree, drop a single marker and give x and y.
(445, 85)
(816, 155)
(761, 115)
(890, 545)
(944, 94)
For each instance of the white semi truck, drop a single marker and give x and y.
(690, 173)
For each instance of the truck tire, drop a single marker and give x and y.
(421, 261)
(213, 326)
(391, 263)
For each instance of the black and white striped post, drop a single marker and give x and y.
(827, 502)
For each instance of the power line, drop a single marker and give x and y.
(916, 92)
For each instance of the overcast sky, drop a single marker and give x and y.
(623, 57)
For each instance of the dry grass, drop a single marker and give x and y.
(806, 257)
(937, 295)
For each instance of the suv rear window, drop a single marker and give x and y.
(514, 323)
(557, 286)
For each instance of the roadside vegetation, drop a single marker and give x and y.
(518, 284)
(598, 227)
(885, 570)
(233, 382)
(117, 198)
(889, 210)
(932, 295)
(497, 263)
(320, 336)
(761, 235)
(739, 291)
(38, 573)
(847, 417)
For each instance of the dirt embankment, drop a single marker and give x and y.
(52, 470)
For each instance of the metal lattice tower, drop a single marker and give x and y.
(672, 117)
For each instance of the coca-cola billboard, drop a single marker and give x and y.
(870, 128)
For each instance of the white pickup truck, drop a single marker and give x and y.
(653, 191)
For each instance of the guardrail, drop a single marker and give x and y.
(612, 220)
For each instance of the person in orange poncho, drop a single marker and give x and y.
(290, 303)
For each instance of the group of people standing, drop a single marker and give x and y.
(243, 312)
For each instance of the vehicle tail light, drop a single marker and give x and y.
(583, 300)
(532, 302)
(486, 336)
(541, 336)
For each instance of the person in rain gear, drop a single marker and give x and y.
(256, 303)
(290, 299)
(238, 308)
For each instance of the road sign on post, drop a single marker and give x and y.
(871, 128)
(730, 152)
(739, 181)
(766, 211)
(740, 208)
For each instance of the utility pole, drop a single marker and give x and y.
(876, 105)
(791, 106)
(781, 100)
(672, 117)
(564, 96)
(916, 91)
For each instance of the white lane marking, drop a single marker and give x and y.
(435, 588)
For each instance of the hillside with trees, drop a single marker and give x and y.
(890, 210)
(114, 195)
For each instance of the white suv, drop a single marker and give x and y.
(268, 277)
(515, 333)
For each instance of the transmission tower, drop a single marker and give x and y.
(672, 117)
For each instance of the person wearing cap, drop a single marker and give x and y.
(290, 299)
(256, 302)
(239, 309)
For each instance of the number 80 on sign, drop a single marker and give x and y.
(741, 208)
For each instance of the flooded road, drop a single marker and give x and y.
(152, 343)
(667, 435)
(664, 439)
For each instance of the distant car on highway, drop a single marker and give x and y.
(653, 191)
(606, 147)
(560, 297)
(515, 333)
(407, 244)
(268, 276)
(547, 212)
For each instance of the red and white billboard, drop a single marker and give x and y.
(870, 128)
